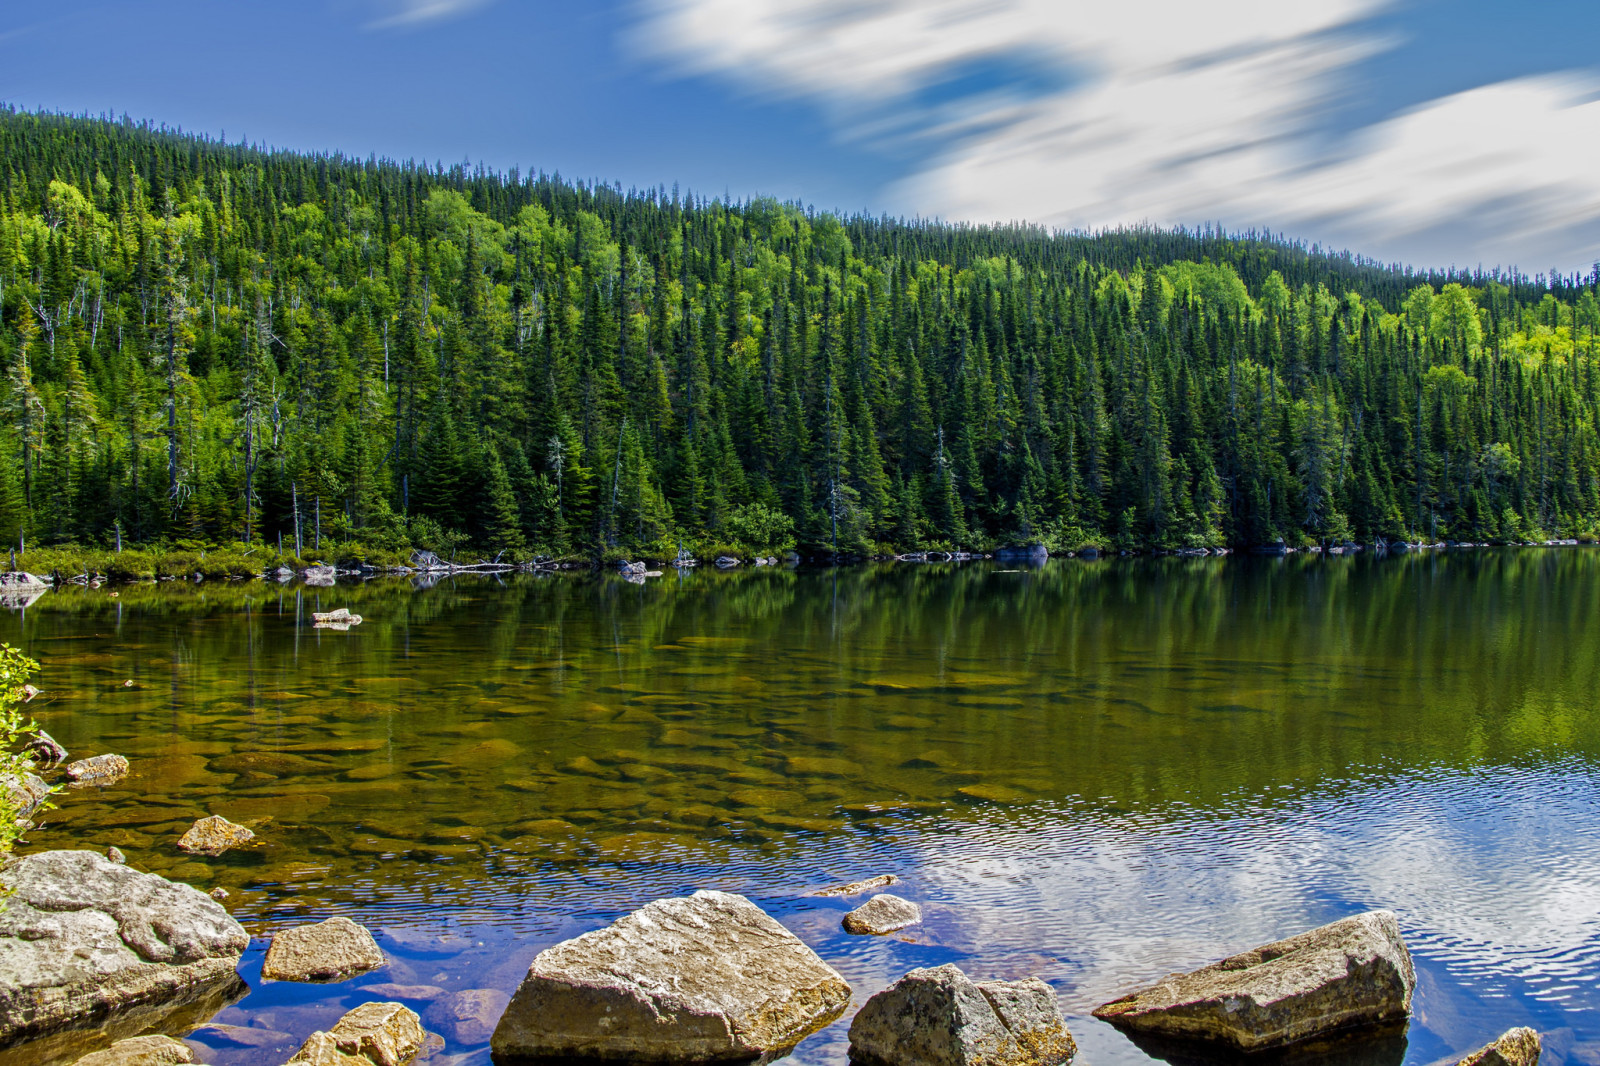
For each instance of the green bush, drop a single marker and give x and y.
(15, 728)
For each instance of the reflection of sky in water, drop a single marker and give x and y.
(1494, 873)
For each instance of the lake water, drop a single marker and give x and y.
(1096, 772)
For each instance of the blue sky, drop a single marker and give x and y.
(1436, 133)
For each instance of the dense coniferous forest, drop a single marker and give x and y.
(208, 344)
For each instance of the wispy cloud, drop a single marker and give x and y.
(1171, 112)
(415, 12)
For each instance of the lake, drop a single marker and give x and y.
(1096, 772)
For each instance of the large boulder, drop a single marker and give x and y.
(707, 978)
(1355, 973)
(327, 951)
(883, 913)
(1516, 1047)
(374, 1034)
(82, 939)
(941, 1017)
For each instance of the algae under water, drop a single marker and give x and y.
(1096, 772)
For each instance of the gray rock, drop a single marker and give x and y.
(43, 748)
(467, 1017)
(213, 836)
(707, 978)
(82, 937)
(141, 1051)
(327, 951)
(24, 795)
(882, 914)
(727, 561)
(374, 1034)
(114, 854)
(1352, 974)
(100, 770)
(1515, 1047)
(941, 1017)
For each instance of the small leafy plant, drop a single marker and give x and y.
(15, 730)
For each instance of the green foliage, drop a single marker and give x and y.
(210, 348)
(15, 729)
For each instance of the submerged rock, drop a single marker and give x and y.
(467, 1017)
(941, 1017)
(882, 914)
(141, 1051)
(213, 836)
(82, 938)
(374, 1034)
(99, 770)
(1351, 974)
(856, 888)
(327, 951)
(707, 978)
(1516, 1047)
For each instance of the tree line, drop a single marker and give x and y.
(208, 343)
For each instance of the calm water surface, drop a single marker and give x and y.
(1097, 772)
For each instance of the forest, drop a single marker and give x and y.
(218, 345)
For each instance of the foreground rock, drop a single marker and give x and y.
(941, 1017)
(1352, 974)
(213, 836)
(100, 770)
(374, 1034)
(1516, 1047)
(882, 914)
(328, 951)
(141, 1051)
(708, 978)
(82, 938)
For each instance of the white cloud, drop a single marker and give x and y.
(417, 12)
(1174, 113)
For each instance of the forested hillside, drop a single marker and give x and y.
(201, 339)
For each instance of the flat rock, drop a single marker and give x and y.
(467, 1017)
(374, 1034)
(420, 993)
(707, 978)
(141, 1051)
(82, 938)
(1515, 1047)
(856, 888)
(213, 836)
(99, 770)
(941, 1017)
(327, 951)
(1352, 974)
(882, 914)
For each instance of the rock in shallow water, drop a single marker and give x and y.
(374, 1034)
(882, 914)
(941, 1017)
(213, 836)
(141, 1051)
(467, 1017)
(707, 978)
(1516, 1047)
(328, 951)
(1351, 974)
(99, 770)
(82, 938)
